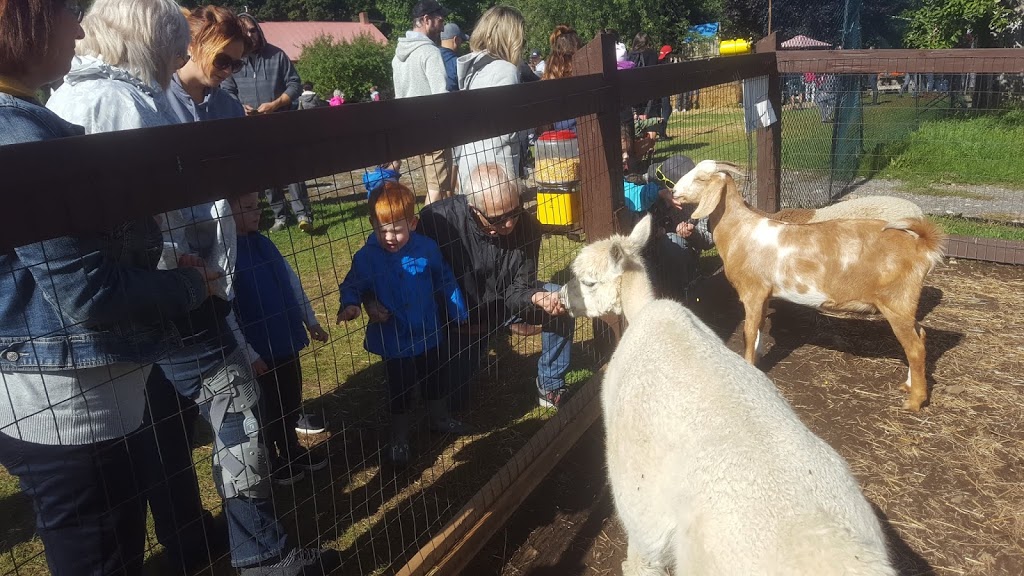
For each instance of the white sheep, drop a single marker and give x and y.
(886, 208)
(711, 470)
(838, 265)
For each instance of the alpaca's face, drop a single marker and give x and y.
(596, 274)
(594, 290)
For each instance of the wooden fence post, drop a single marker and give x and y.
(601, 165)
(599, 144)
(769, 140)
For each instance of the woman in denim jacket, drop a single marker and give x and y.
(80, 323)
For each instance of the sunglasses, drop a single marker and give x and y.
(501, 219)
(223, 62)
(76, 10)
(665, 179)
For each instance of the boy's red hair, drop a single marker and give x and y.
(394, 202)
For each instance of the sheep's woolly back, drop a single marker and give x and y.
(887, 208)
(710, 465)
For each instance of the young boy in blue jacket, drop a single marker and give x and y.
(406, 275)
(274, 313)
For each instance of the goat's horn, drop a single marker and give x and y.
(730, 168)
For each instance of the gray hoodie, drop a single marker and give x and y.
(481, 70)
(418, 68)
(267, 74)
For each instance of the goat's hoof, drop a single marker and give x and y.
(914, 404)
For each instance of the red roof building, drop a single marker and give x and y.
(291, 36)
(801, 41)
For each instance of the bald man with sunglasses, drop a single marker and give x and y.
(493, 245)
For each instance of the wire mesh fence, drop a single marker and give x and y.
(365, 443)
(942, 139)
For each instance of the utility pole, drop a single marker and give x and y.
(769, 16)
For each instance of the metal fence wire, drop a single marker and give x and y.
(367, 456)
(918, 135)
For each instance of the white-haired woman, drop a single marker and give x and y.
(497, 51)
(117, 82)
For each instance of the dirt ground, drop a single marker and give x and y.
(946, 482)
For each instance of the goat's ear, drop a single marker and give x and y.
(640, 235)
(710, 196)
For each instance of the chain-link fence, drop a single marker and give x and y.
(944, 139)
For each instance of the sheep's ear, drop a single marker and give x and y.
(640, 235)
(709, 198)
(618, 258)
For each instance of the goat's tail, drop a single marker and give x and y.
(931, 240)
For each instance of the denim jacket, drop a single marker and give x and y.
(80, 301)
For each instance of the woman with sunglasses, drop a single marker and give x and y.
(219, 44)
(80, 324)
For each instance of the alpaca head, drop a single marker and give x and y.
(595, 287)
(696, 186)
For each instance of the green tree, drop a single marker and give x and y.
(947, 23)
(353, 67)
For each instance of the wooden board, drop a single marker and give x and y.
(958, 61)
(452, 549)
(987, 249)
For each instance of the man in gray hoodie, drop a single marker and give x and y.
(418, 70)
(269, 83)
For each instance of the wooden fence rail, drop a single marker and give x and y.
(959, 61)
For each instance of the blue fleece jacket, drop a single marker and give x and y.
(269, 311)
(409, 284)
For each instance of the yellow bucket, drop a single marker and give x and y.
(731, 47)
(558, 207)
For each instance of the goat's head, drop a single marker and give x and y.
(703, 186)
(594, 289)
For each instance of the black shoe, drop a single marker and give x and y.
(286, 474)
(398, 454)
(308, 460)
(299, 562)
(310, 424)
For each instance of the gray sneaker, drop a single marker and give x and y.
(299, 562)
(278, 225)
(306, 225)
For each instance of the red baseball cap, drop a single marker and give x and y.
(665, 51)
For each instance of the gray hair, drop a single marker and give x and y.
(488, 183)
(144, 37)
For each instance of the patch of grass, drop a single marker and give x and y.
(955, 226)
(982, 149)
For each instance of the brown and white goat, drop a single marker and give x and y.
(845, 265)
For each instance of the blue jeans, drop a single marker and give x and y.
(253, 529)
(466, 351)
(555, 346)
(88, 511)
